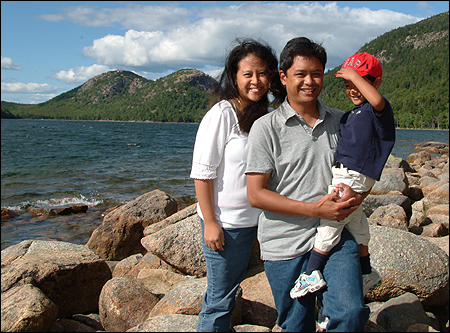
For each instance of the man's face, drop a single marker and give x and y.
(304, 80)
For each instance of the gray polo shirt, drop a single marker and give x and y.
(299, 160)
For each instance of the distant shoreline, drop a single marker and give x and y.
(168, 122)
(423, 129)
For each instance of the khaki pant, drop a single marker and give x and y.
(328, 231)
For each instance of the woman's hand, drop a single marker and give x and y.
(213, 235)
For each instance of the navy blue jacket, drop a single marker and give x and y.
(366, 139)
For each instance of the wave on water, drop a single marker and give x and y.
(57, 202)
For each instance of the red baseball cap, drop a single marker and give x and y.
(364, 64)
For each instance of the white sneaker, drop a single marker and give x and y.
(371, 281)
(307, 284)
(322, 321)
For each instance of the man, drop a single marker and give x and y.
(290, 154)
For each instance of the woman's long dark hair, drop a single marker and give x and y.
(228, 90)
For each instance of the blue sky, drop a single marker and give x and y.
(50, 47)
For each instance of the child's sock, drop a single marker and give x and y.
(366, 268)
(316, 261)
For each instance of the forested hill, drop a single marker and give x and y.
(415, 73)
(182, 96)
(415, 60)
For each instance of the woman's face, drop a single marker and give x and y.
(252, 79)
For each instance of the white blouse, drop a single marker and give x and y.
(220, 154)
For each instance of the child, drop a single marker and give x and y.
(366, 138)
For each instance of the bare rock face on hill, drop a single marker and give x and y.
(196, 78)
(112, 84)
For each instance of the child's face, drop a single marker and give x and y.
(353, 93)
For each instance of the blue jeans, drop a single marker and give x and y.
(343, 300)
(225, 270)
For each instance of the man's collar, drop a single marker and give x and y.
(288, 111)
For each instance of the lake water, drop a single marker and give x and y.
(47, 163)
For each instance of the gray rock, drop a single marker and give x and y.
(91, 320)
(431, 147)
(71, 275)
(52, 211)
(181, 215)
(391, 180)
(397, 314)
(71, 325)
(160, 281)
(26, 309)
(372, 202)
(168, 323)
(184, 298)
(124, 303)
(392, 216)
(419, 159)
(441, 242)
(119, 235)
(251, 328)
(131, 266)
(439, 196)
(397, 162)
(408, 262)
(258, 306)
(180, 246)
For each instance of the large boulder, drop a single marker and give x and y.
(391, 216)
(26, 308)
(432, 147)
(372, 202)
(168, 323)
(178, 216)
(258, 305)
(439, 196)
(70, 275)
(408, 262)
(391, 181)
(124, 303)
(183, 298)
(122, 229)
(160, 281)
(399, 313)
(180, 245)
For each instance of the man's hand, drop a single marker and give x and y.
(328, 208)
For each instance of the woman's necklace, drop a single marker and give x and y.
(241, 108)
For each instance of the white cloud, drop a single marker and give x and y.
(166, 45)
(133, 16)
(79, 75)
(37, 98)
(5, 79)
(28, 88)
(8, 63)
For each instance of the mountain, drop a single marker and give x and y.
(415, 80)
(182, 96)
(415, 73)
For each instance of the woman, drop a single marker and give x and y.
(228, 221)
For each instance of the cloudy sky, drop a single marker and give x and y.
(50, 47)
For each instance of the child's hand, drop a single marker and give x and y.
(344, 191)
(347, 73)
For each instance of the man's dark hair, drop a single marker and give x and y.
(301, 46)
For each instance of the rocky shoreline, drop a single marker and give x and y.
(143, 270)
